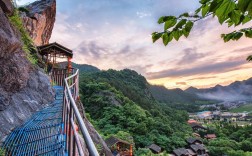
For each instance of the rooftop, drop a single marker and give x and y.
(155, 148)
(193, 140)
(210, 136)
(197, 147)
(180, 151)
(193, 125)
(113, 140)
(55, 48)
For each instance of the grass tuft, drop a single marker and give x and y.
(28, 45)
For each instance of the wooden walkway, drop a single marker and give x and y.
(42, 134)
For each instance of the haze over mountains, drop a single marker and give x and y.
(236, 91)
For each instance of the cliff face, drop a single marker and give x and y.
(23, 88)
(39, 20)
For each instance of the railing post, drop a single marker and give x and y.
(64, 110)
(70, 141)
(74, 139)
(77, 86)
(70, 110)
(67, 121)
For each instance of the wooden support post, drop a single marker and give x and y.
(69, 64)
(54, 59)
(118, 147)
(131, 150)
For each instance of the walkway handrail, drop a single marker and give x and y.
(72, 118)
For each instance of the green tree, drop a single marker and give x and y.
(236, 153)
(143, 152)
(246, 145)
(218, 151)
(232, 12)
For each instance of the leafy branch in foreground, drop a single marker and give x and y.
(232, 12)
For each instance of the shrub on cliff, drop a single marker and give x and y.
(23, 9)
(28, 45)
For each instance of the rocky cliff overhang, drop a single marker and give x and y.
(24, 88)
(39, 20)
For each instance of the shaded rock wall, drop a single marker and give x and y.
(7, 6)
(24, 89)
(39, 21)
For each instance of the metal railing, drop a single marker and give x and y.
(58, 75)
(72, 118)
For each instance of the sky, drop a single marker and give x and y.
(116, 34)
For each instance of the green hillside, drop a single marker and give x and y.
(245, 108)
(173, 95)
(120, 103)
(84, 68)
(178, 99)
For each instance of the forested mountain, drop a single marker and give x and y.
(177, 98)
(173, 95)
(120, 103)
(123, 104)
(82, 67)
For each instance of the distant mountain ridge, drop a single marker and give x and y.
(139, 87)
(173, 95)
(236, 91)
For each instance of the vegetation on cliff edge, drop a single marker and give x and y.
(28, 45)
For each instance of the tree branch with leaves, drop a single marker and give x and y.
(232, 12)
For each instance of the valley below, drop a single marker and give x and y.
(124, 105)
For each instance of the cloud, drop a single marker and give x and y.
(125, 49)
(241, 91)
(92, 49)
(106, 56)
(204, 69)
(141, 68)
(202, 78)
(181, 83)
(190, 56)
(24, 2)
(143, 14)
(246, 49)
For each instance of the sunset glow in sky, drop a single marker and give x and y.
(116, 34)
